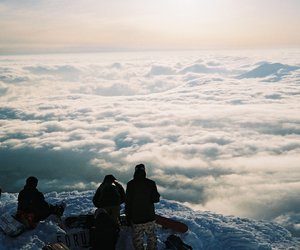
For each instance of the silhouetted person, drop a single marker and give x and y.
(109, 196)
(32, 206)
(106, 231)
(141, 194)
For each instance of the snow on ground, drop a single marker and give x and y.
(207, 230)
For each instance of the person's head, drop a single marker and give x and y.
(32, 181)
(109, 178)
(140, 171)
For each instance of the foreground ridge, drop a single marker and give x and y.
(207, 230)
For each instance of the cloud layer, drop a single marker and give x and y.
(219, 131)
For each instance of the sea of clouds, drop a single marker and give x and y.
(217, 130)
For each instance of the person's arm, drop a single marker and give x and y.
(42, 201)
(97, 197)
(121, 191)
(21, 202)
(128, 199)
(155, 194)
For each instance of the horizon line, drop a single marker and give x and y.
(127, 50)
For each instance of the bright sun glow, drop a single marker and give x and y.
(141, 24)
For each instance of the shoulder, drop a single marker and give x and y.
(40, 194)
(110, 188)
(21, 193)
(151, 182)
(118, 185)
(130, 182)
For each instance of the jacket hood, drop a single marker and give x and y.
(139, 174)
(109, 179)
(31, 181)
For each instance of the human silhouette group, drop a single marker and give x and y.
(139, 198)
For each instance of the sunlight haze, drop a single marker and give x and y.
(143, 25)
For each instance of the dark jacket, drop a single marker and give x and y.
(107, 195)
(30, 200)
(121, 191)
(105, 233)
(141, 194)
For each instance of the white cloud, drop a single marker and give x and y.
(208, 138)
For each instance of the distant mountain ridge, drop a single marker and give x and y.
(267, 69)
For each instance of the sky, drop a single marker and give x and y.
(91, 25)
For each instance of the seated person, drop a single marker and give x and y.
(32, 206)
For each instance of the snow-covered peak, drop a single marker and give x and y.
(207, 230)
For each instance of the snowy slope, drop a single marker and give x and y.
(206, 230)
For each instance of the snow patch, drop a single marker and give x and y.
(207, 230)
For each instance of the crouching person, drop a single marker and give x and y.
(105, 233)
(32, 206)
(141, 194)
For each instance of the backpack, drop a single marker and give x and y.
(175, 243)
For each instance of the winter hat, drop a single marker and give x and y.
(140, 167)
(32, 181)
(109, 178)
(140, 172)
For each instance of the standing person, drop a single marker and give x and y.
(109, 196)
(32, 206)
(141, 194)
